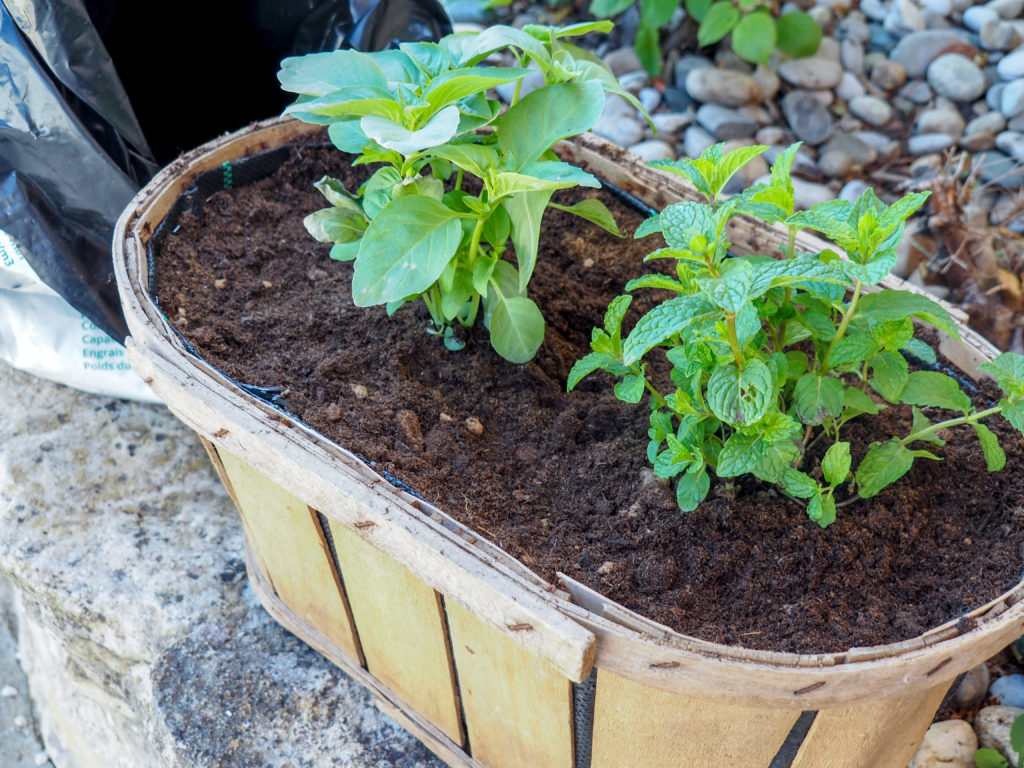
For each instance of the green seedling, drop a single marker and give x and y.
(772, 355)
(986, 757)
(415, 229)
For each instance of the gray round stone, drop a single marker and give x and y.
(1012, 143)
(1007, 9)
(1011, 66)
(874, 9)
(938, 7)
(999, 169)
(928, 143)
(686, 64)
(888, 75)
(977, 16)
(917, 91)
(998, 35)
(956, 77)
(857, 150)
(917, 50)
(835, 163)
(853, 27)
(767, 81)
(990, 122)
(807, 116)
(1011, 101)
(871, 109)
(850, 87)
(722, 86)
(904, 16)
(945, 121)
(670, 123)
(972, 688)
(853, 189)
(813, 74)
(696, 140)
(623, 60)
(619, 129)
(770, 134)
(851, 55)
(977, 142)
(653, 149)
(650, 98)
(725, 123)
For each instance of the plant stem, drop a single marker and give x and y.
(458, 179)
(970, 419)
(734, 341)
(841, 331)
(474, 243)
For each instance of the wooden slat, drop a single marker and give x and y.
(402, 630)
(518, 708)
(292, 549)
(636, 726)
(883, 734)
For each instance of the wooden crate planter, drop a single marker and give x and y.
(483, 661)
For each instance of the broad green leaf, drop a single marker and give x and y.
(797, 364)
(929, 388)
(429, 58)
(1008, 371)
(986, 757)
(694, 169)
(920, 424)
(525, 210)
(335, 225)
(852, 348)
(459, 83)
(874, 271)
(605, 9)
(719, 22)
(475, 158)
(740, 454)
(835, 466)
(692, 487)
(454, 299)
(663, 282)
(753, 39)
(590, 67)
(585, 366)
(698, 9)
(547, 32)
(657, 13)
(337, 195)
(1017, 734)
(319, 74)
(682, 222)
(831, 220)
(731, 289)
(858, 402)
(547, 115)
(630, 389)
(648, 45)
(594, 211)
(818, 398)
(884, 464)
(1013, 413)
(777, 457)
(674, 459)
(510, 183)
(438, 130)
(741, 397)
(799, 272)
(404, 250)
(497, 227)
(377, 190)
(797, 483)
(352, 102)
(797, 34)
(648, 226)
(427, 186)
(499, 36)
(347, 136)
(345, 251)
(561, 172)
(892, 305)
(894, 334)
(822, 510)
(920, 349)
(668, 318)
(890, 371)
(995, 458)
(897, 213)
(517, 327)
(616, 311)
(820, 325)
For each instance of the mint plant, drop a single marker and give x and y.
(771, 356)
(423, 113)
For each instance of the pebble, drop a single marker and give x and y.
(623, 60)
(857, 150)
(998, 168)
(474, 425)
(653, 149)
(993, 728)
(904, 16)
(670, 123)
(41, 759)
(850, 87)
(874, 9)
(977, 16)
(989, 123)
(1007, 9)
(871, 109)
(941, 121)
(956, 77)
(887, 148)
(722, 86)
(770, 134)
(917, 91)
(977, 142)
(854, 27)
(851, 56)
(997, 35)
(696, 140)
(1011, 100)
(1012, 143)
(360, 392)
(947, 744)
(853, 189)
(767, 81)
(8, 691)
(828, 49)
(927, 143)
(972, 688)
(686, 64)
(1011, 66)
(724, 123)
(938, 7)
(813, 73)
(808, 118)
(888, 75)
(1008, 690)
(677, 99)
(1016, 123)
(619, 129)
(650, 98)
(807, 194)
(917, 50)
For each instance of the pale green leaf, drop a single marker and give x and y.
(753, 39)
(835, 466)
(719, 22)
(818, 398)
(797, 483)
(668, 318)
(930, 388)
(893, 305)
(692, 487)
(594, 211)
(740, 454)
(1008, 371)
(547, 115)
(822, 510)
(741, 397)
(517, 327)
(884, 464)
(319, 74)
(526, 210)
(890, 372)
(995, 457)
(797, 34)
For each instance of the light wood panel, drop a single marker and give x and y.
(292, 549)
(884, 734)
(518, 708)
(636, 726)
(402, 630)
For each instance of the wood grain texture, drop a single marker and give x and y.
(402, 630)
(636, 726)
(518, 708)
(883, 734)
(292, 549)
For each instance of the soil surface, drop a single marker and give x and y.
(560, 480)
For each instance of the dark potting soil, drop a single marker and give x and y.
(561, 480)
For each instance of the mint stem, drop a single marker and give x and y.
(970, 419)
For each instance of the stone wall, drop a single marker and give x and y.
(140, 639)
